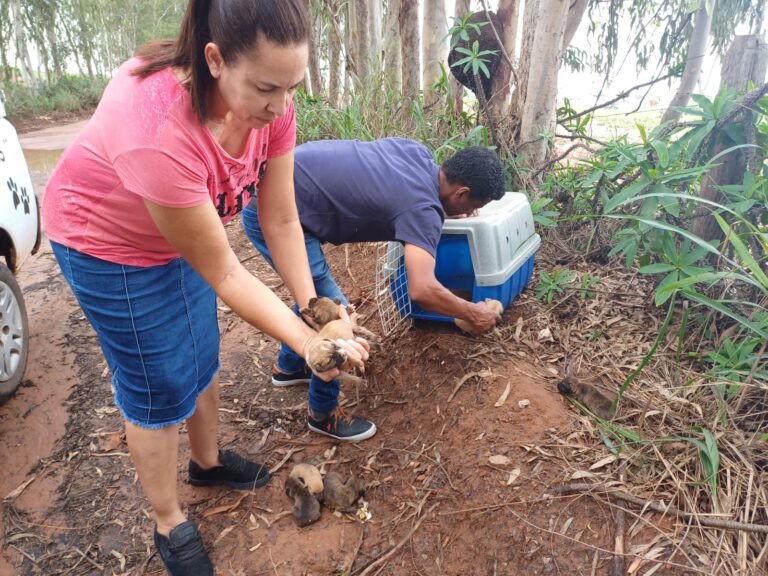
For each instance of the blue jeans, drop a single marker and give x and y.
(323, 396)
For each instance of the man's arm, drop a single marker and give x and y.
(427, 292)
(279, 221)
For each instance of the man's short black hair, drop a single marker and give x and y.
(479, 169)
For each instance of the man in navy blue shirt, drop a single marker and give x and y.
(386, 190)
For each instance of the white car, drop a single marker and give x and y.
(19, 237)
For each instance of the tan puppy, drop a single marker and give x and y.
(340, 495)
(325, 354)
(494, 305)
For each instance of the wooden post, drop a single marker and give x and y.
(746, 61)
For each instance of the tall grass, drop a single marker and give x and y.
(68, 94)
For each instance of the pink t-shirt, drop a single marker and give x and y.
(145, 141)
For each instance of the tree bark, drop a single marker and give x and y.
(537, 93)
(697, 47)
(434, 45)
(575, 14)
(363, 41)
(315, 77)
(21, 46)
(409, 36)
(509, 14)
(746, 61)
(375, 22)
(334, 55)
(393, 60)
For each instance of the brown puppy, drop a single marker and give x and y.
(306, 508)
(494, 305)
(325, 354)
(588, 393)
(340, 495)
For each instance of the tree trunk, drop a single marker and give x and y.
(746, 61)
(363, 42)
(575, 14)
(334, 54)
(536, 96)
(375, 22)
(697, 47)
(393, 61)
(509, 14)
(409, 36)
(21, 46)
(315, 77)
(351, 43)
(461, 7)
(434, 45)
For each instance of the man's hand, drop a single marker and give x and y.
(483, 318)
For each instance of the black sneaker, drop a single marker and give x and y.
(235, 472)
(182, 551)
(279, 378)
(340, 426)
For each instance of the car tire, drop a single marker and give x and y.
(14, 334)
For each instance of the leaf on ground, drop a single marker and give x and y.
(513, 476)
(582, 474)
(503, 397)
(604, 462)
(499, 460)
(223, 533)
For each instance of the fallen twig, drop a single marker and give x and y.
(349, 562)
(617, 567)
(662, 509)
(463, 379)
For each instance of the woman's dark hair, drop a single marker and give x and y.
(478, 168)
(234, 26)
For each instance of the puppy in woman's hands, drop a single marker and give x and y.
(340, 344)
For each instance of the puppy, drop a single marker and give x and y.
(494, 305)
(325, 354)
(306, 508)
(340, 495)
(588, 393)
(309, 476)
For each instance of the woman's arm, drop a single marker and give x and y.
(279, 221)
(198, 235)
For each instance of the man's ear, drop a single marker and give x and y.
(461, 192)
(214, 59)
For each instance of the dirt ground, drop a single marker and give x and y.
(439, 503)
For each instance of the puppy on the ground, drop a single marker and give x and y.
(325, 354)
(305, 486)
(588, 393)
(340, 495)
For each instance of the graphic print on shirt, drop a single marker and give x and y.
(239, 186)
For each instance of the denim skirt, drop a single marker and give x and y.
(157, 328)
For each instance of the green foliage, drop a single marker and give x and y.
(553, 284)
(68, 94)
(475, 59)
(462, 28)
(586, 284)
(651, 188)
(709, 455)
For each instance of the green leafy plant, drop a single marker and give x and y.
(709, 455)
(550, 285)
(474, 58)
(586, 283)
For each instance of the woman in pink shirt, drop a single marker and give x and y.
(185, 134)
